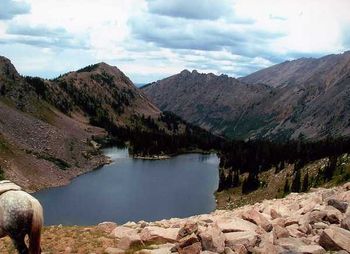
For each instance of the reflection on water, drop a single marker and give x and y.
(131, 190)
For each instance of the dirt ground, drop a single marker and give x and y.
(58, 239)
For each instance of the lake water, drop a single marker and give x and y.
(133, 189)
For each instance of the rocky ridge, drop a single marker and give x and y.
(315, 222)
(307, 96)
(207, 100)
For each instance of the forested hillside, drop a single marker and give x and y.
(51, 130)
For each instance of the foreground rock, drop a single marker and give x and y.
(335, 238)
(315, 223)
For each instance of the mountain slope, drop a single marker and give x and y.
(210, 101)
(310, 100)
(48, 128)
(306, 97)
(325, 71)
(39, 145)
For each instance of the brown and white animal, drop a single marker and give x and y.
(20, 215)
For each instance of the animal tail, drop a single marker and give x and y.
(35, 232)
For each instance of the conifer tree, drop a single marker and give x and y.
(305, 186)
(286, 188)
(295, 187)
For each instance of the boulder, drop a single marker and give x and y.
(345, 223)
(294, 231)
(258, 219)
(305, 228)
(274, 214)
(187, 241)
(310, 249)
(238, 249)
(229, 251)
(343, 196)
(236, 225)
(320, 225)
(156, 249)
(292, 220)
(213, 239)
(279, 221)
(266, 248)
(340, 205)
(335, 238)
(107, 226)
(247, 238)
(188, 229)
(317, 216)
(309, 204)
(195, 248)
(333, 215)
(120, 232)
(280, 232)
(290, 243)
(153, 234)
(130, 241)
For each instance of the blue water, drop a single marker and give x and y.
(132, 190)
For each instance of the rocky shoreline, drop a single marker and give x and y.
(169, 156)
(314, 222)
(154, 157)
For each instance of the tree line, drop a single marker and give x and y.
(254, 157)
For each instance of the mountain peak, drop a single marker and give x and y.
(185, 72)
(101, 66)
(7, 68)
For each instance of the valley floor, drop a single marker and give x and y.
(313, 222)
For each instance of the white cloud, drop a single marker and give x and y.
(152, 39)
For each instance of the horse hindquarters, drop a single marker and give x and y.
(35, 231)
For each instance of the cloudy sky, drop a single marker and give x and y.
(152, 39)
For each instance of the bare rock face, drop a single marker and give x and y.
(335, 238)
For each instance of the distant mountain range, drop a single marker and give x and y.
(307, 98)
